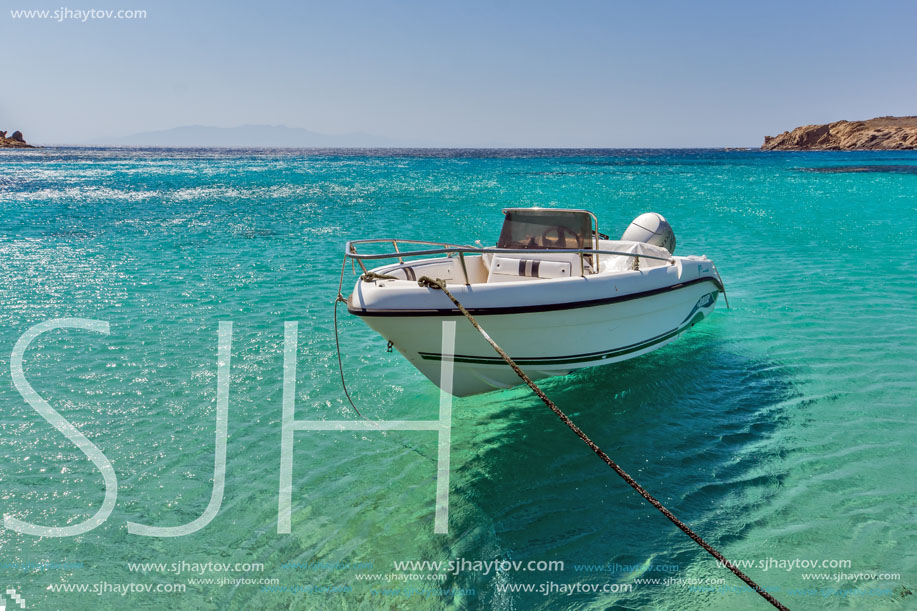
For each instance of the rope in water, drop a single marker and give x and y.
(337, 341)
(366, 277)
(441, 285)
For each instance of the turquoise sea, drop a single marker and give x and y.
(782, 430)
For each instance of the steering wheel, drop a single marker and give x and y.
(561, 240)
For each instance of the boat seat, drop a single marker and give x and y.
(519, 267)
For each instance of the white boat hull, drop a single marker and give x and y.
(601, 320)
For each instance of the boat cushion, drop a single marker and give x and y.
(508, 269)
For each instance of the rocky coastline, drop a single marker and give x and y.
(14, 140)
(881, 133)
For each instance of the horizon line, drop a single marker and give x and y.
(400, 148)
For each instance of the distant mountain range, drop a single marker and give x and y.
(278, 136)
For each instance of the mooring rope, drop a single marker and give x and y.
(370, 276)
(337, 341)
(441, 285)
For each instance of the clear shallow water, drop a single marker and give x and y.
(782, 429)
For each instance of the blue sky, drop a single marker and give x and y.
(609, 74)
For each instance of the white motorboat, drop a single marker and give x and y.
(554, 293)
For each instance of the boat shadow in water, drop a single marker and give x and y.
(696, 424)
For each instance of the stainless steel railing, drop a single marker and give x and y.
(445, 248)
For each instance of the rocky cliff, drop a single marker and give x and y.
(14, 140)
(882, 133)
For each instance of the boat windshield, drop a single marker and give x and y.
(546, 229)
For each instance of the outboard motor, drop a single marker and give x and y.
(651, 228)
